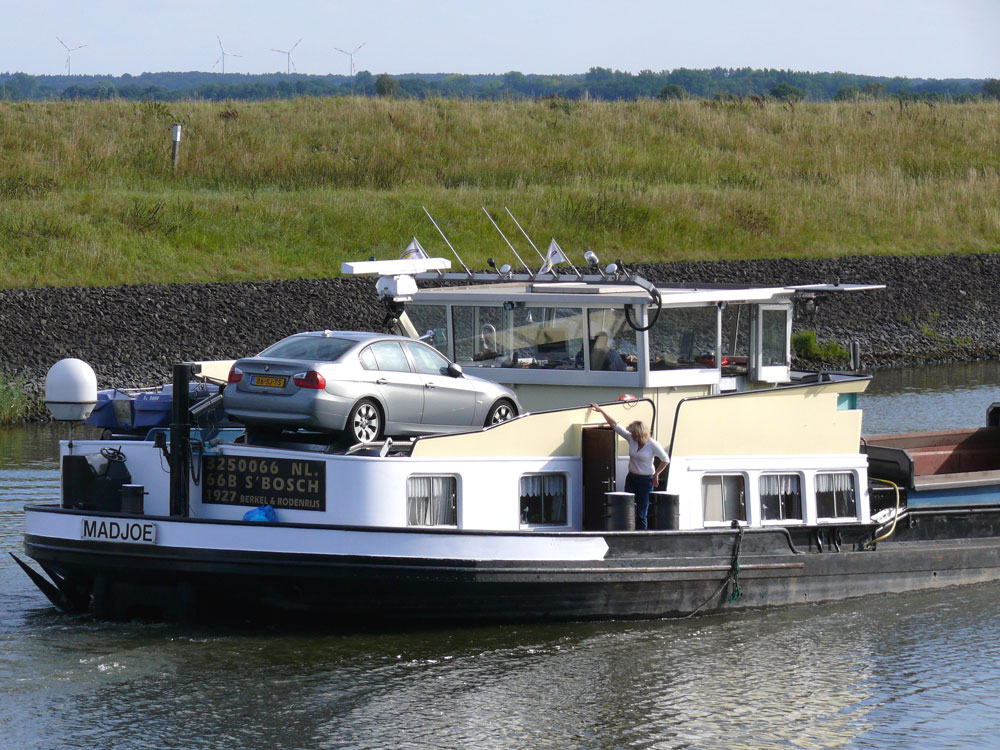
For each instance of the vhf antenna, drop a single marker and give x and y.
(446, 241)
(505, 239)
(578, 274)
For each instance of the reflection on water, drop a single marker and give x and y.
(909, 671)
(936, 397)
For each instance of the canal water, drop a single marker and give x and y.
(906, 671)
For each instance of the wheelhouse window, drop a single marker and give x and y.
(479, 339)
(835, 496)
(611, 340)
(683, 338)
(543, 499)
(773, 337)
(429, 323)
(780, 497)
(432, 501)
(724, 498)
(548, 338)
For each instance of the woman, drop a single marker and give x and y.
(642, 477)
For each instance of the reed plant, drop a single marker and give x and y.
(292, 188)
(14, 402)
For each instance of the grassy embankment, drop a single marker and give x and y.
(291, 188)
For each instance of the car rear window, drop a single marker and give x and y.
(313, 348)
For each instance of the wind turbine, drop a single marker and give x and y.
(223, 56)
(351, 54)
(68, 53)
(288, 54)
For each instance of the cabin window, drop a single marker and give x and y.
(724, 497)
(432, 501)
(479, 335)
(611, 340)
(429, 323)
(835, 496)
(780, 497)
(543, 499)
(549, 338)
(683, 338)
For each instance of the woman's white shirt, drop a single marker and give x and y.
(640, 460)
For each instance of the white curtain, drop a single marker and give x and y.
(431, 501)
(543, 498)
(835, 495)
(780, 496)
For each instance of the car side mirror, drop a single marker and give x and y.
(455, 370)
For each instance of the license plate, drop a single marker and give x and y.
(268, 381)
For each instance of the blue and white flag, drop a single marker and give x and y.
(414, 251)
(553, 257)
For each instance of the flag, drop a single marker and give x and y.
(553, 256)
(414, 251)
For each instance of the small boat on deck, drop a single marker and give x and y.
(771, 498)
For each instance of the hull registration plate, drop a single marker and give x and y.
(118, 530)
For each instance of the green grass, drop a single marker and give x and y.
(292, 188)
(14, 403)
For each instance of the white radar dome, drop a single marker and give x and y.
(71, 390)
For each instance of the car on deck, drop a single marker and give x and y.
(362, 385)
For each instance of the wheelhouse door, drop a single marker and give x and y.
(771, 333)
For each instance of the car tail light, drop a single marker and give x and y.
(311, 379)
(235, 374)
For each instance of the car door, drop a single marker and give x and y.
(402, 390)
(448, 401)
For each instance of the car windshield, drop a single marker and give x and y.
(312, 348)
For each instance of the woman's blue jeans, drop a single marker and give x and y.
(640, 486)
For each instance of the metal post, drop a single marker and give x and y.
(177, 145)
(180, 443)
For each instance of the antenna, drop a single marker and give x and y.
(224, 55)
(69, 52)
(446, 240)
(578, 274)
(288, 54)
(505, 239)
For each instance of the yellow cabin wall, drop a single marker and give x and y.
(554, 433)
(799, 421)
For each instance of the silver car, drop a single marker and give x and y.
(363, 385)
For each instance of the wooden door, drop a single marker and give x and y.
(598, 453)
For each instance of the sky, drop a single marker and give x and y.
(911, 38)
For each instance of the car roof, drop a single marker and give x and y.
(353, 335)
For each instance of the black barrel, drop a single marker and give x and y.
(664, 511)
(132, 498)
(619, 511)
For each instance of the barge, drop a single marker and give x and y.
(771, 497)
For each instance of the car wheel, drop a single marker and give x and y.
(501, 411)
(364, 423)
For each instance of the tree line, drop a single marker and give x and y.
(596, 83)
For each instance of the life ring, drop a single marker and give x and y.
(627, 397)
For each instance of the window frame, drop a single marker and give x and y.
(802, 499)
(745, 521)
(457, 500)
(544, 524)
(854, 490)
